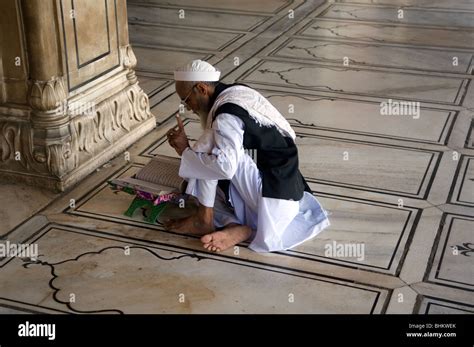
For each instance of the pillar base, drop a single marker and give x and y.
(85, 142)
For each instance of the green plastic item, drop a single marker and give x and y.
(155, 210)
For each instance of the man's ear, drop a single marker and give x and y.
(202, 88)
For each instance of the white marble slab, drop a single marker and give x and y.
(444, 293)
(439, 4)
(10, 310)
(16, 307)
(23, 202)
(463, 185)
(375, 242)
(390, 33)
(452, 265)
(150, 84)
(166, 107)
(368, 167)
(164, 60)
(265, 6)
(193, 17)
(390, 14)
(402, 301)
(440, 306)
(180, 37)
(419, 253)
(153, 279)
(376, 55)
(354, 81)
(361, 117)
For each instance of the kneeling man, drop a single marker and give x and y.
(243, 169)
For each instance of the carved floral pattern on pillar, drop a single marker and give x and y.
(88, 133)
(129, 62)
(44, 98)
(47, 95)
(16, 147)
(58, 155)
(113, 117)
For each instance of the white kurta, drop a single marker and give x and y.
(277, 224)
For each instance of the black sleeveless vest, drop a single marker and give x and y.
(277, 155)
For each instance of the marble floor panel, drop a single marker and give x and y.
(164, 107)
(23, 202)
(399, 189)
(261, 7)
(467, 5)
(389, 33)
(436, 306)
(331, 114)
(332, 268)
(151, 85)
(408, 15)
(462, 190)
(367, 166)
(338, 79)
(163, 60)
(207, 40)
(378, 55)
(194, 17)
(78, 268)
(452, 263)
(16, 307)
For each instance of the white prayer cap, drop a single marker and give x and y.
(197, 71)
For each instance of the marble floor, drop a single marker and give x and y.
(400, 187)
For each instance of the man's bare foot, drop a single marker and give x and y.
(200, 223)
(221, 240)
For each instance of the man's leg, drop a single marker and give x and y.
(202, 222)
(245, 190)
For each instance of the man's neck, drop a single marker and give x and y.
(215, 93)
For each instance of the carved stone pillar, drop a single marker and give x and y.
(69, 97)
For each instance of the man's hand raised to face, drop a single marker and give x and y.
(177, 137)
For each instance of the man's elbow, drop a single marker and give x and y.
(228, 171)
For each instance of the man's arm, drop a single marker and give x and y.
(222, 162)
